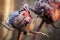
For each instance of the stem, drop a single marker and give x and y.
(35, 37)
(20, 34)
(54, 26)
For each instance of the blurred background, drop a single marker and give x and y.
(8, 6)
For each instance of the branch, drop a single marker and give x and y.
(6, 26)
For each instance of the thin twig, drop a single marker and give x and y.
(36, 35)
